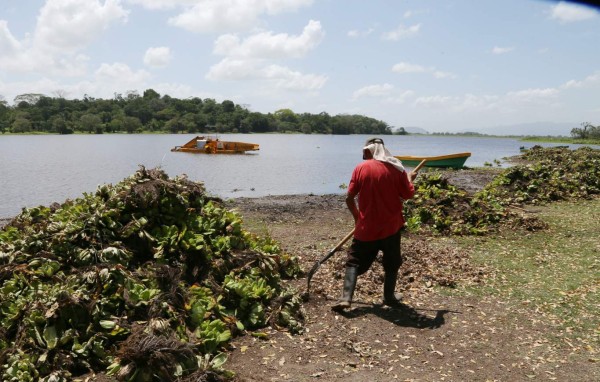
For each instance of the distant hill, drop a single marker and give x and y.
(535, 128)
(519, 129)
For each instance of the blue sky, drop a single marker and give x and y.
(451, 65)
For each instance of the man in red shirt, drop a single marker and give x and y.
(381, 184)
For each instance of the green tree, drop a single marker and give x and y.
(188, 121)
(228, 106)
(175, 125)
(21, 125)
(29, 98)
(131, 124)
(139, 108)
(257, 123)
(150, 94)
(59, 125)
(4, 113)
(587, 131)
(91, 123)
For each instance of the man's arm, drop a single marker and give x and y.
(352, 205)
(407, 190)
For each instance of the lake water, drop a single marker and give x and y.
(42, 169)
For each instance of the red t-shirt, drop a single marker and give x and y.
(380, 188)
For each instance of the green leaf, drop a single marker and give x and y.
(107, 324)
(219, 360)
(239, 325)
(50, 337)
(260, 335)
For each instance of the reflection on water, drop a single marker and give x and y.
(43, 169)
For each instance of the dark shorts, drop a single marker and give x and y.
(361, 254)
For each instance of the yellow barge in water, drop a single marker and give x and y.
(209, 145)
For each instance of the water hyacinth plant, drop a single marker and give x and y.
(148, 279)
(548, 174)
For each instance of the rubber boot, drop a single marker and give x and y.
(348, 291)
(390, 298)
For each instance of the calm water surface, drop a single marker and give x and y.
(39, 170)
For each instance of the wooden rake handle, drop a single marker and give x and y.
(419, 166)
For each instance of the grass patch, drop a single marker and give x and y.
(556, 271)
(553, 139)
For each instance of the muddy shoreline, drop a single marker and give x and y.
(469, 179)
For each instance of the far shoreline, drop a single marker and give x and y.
(522, 138)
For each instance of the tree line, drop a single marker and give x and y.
(152, 112)
(586, 131)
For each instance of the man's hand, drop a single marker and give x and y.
(412, 175)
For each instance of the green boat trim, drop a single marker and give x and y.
(446, 161)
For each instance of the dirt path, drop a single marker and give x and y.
(436, 337)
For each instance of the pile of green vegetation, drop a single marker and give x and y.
(442, 208)
(550, 174)
(146, 280)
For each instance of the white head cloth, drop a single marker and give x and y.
(382, 154)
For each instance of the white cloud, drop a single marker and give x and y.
(373, 91)
(512, 102)
(434, 101)
(358, 33)
(206, 16)
(286, 78)
(120, 75)
(400, 98)
(72, 24)
(401, 32)
(269, 45)
(8, 43)
(405, 67)
(163, 4)
(385, 92)
(255, 69)
(230, 69)
(588, 81)
(567, 13)
(20, 57)
(107, 80)
(63, 27)
(439, 74)
(502, 50)
(250, 59)
(532, 95)
(157, 57)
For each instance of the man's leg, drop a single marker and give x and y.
(348, 291)
(392, 260)
(361, 255)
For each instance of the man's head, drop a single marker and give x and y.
(368, 148)
(373, 140)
